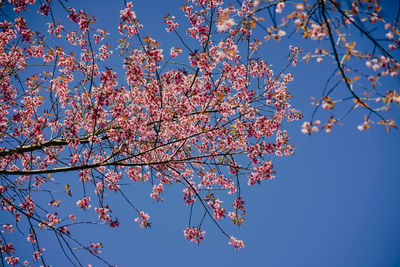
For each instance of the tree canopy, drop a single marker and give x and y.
(207, 116)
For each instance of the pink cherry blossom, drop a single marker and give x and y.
(194, 234)
(237, 244)
(143, 220)
(84, 203)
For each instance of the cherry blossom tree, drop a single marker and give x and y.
(207, 116)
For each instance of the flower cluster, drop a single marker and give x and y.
(236, 243)
(143, 220)
(94, 248)
(84, 203)
(201, 124)
(194, 234)
(171, 24)
(309, 127)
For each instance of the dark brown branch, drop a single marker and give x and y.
(335, 53)
(114, 163)
(373, 40)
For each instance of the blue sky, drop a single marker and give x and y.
(334, 203)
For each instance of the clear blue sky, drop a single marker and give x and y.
(336, 202)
